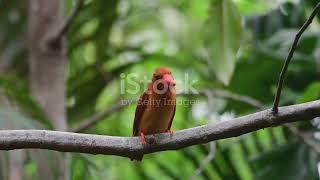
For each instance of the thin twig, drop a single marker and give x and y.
(236, 97)
(290, 55)
(65, 26)
(131, 146)
(203, 165)
(305, 137)
(212, 145)
(98, 117)
(226, 95)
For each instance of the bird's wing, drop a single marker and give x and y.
(141, 107)
(174, 112)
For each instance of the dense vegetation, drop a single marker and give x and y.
(228, 47)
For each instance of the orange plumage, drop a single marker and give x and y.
(156, 107)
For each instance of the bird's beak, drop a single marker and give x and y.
(167, 78)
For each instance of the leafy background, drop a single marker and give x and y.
(236, 46)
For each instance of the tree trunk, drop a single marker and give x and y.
(16, 165)
(47, 61)
(47, 66)
(12, 169)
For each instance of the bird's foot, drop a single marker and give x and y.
(143, 139)
(169, 131)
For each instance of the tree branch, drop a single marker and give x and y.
(204, 164)
(290, 55)
(63, 29)
(86, 124)
(305, 137)
(235, 97)
(131, 146)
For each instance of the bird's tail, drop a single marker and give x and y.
(137, 158)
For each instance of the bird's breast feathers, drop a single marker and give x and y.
(158, 115)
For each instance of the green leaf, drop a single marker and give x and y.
(258, 7)
(311, 93)
(223, 34)
(252, 7)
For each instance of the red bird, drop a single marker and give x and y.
(156, 107)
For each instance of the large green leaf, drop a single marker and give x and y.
(258, 7)
(222, 38)
(311, 93)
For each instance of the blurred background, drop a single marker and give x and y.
(231, 51)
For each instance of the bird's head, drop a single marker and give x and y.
(162, 80)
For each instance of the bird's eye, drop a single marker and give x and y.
(157, 76)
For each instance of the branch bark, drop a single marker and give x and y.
(131, 146)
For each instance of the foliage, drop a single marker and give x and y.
(238, 45)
